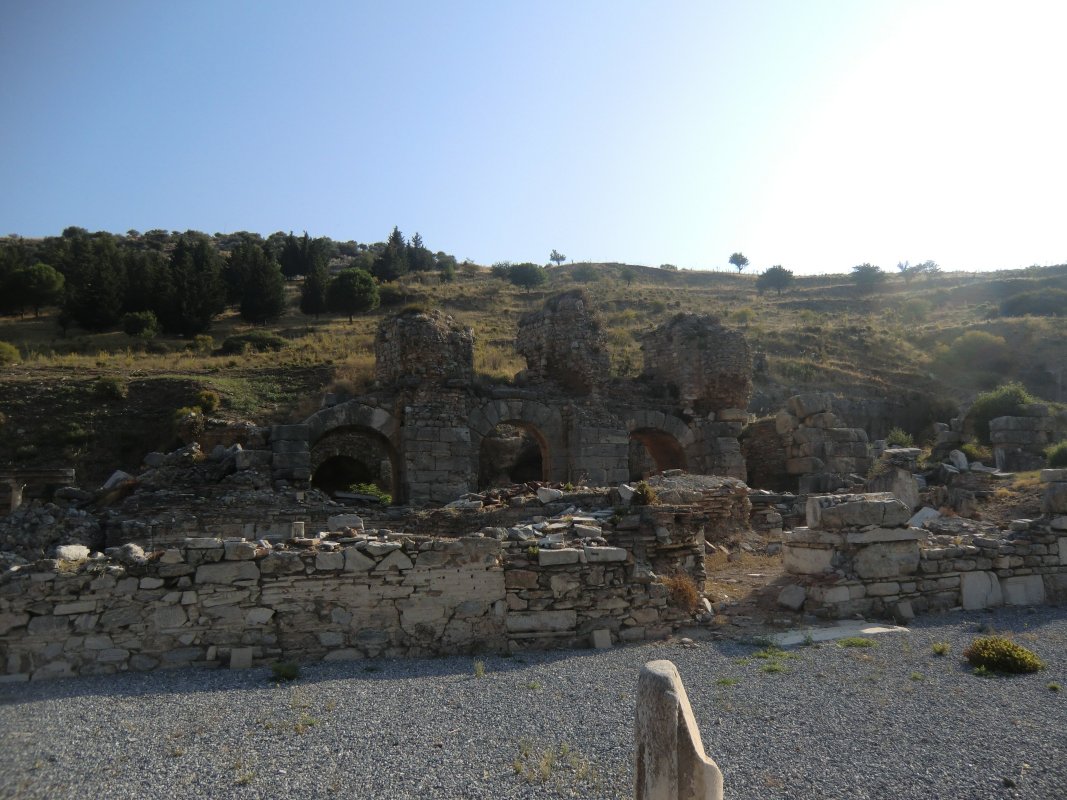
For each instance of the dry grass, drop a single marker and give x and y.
(683, 591)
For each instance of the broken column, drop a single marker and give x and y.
(894, 472)
(670, 759)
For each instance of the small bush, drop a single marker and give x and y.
(898, 437)
(390, 295)
(108, 387)
(9, 354)
(644, 495)
(370, 489)
(157, 348)
(977, 452)
(1004, 401)
(208, 400)
(1057, 454)
(1001, 654)
(285, 670)
(941, 648)
(142, 324)
(203, 344)
(682, 590)
(256, 341)
(479, 669)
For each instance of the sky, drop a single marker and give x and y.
(815, 134)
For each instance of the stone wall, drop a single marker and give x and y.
(1019, 442)
(417, 347)
(858, 556)
(564, 342)
(215, 602)
(708, 365)
(819, 450)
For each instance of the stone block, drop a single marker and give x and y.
(239, 551)
(203, 543)
(1055, 499)
(76, 607)
(289, 433)
(600, 639)
(72, 552)
(1023, 590)
(396, 560)
(804, 466)
(227, 572)
(809, 404)
(596, 555)
(330, 561)
(339, 521)
(551, 558)
(541, 621)
(887, 560)
(355, 561)
(856, 511)
(1054, 476)
(885, 535)
(258, 616)
(883, 589)
(9, 621)
(792, 597)
(520, 579)
(807, 560)
(241, 658)
(980, 590)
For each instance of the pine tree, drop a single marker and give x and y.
(95, 281)
(263, 292)
(195, 292)
(313, 293)
(291, 258)
(392, 262)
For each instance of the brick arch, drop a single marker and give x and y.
(328, 430)
(670, 442)
(542, 421)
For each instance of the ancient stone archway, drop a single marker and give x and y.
(354, 454)
(658, 440)
(512, 453)
(540, 421)
(363, 434)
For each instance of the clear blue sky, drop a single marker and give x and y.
(816, 134)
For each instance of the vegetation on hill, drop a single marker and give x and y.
(130, 310)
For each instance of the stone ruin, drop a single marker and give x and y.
(707, 366)
(435, 433)
(418, 347)
(564, 342)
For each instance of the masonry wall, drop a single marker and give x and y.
(211, 602)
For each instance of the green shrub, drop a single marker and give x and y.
(108, 387)
(157, 348)
(977, 452)
(1004, 401)
(203, 343)
(370, 489)
(208, 400)
(1057, 454)
(142, 324)
(644, 495)
(9, 354)
(1001, 654)
(390, 295)
(979, 349)
(1043, 303)
(898, 437)
(285, 670)
(257, 341)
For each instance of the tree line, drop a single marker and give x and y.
(179, 282)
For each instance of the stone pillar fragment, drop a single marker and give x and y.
(670, 759)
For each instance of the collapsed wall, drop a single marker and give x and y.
(415, 347)
(858, 555)
(822, 453)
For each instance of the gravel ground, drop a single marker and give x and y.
(893, 721)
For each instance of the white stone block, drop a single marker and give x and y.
(600, 639)
(980, 590)
(339, 521)
(550, 558)
(596, 555)
(1023, 590)
(807, 560)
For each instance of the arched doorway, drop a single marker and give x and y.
(352, 455)
(513, 452)
(653, 450)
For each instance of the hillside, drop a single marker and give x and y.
(905, 355)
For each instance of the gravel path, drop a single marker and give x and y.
(892, 721)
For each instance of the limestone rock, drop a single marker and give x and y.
(792, 597)
(72, 552)
(980, 590)
(670, 760)
(957, 459)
